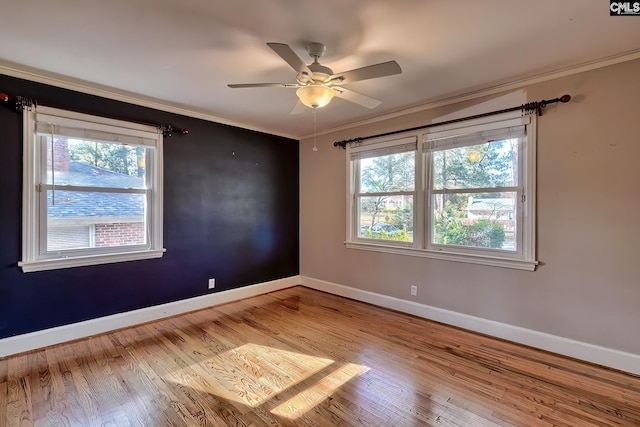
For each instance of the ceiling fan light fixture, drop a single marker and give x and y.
(315, 95)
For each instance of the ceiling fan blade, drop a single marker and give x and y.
(369, 72)
(240, 85)
(290, 57)
(299, 108)
(355, 97)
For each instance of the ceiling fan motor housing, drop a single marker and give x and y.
(320, 73)
(316, 50)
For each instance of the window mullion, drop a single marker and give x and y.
(425, 206)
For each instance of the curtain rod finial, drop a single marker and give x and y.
(168, 130)
(565, 98)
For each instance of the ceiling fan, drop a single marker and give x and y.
(317, 84)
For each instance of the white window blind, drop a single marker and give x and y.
(475, 138)
(384, 148)
(439, 139)
(48, 124)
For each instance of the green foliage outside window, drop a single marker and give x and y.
(403, 218)
(113, 157)
(450, 229)
(403, 236)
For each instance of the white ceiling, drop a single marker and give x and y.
(183, 53)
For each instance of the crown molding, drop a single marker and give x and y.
(40, 76)
(65, 82)
(490, 90)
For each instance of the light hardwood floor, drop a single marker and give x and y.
(303, 357)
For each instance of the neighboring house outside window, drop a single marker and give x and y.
(469, 195)
(93, 190)
(77, 220)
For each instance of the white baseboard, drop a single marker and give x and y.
(34, 340)
(616, 359)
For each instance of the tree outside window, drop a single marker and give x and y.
(467, 209)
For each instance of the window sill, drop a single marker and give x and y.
(57, 263)
(517, 264)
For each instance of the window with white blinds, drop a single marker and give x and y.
(384, 191)
(92, 190)
(460, 192)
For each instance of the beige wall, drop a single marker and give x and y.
(587, 286)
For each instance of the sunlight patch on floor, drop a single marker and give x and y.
(302, 402)
(250, 374)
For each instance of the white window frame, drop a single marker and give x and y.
(381, 148)
(524, 258)
(34, 214)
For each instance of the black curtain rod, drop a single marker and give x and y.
(21, 103)
(527, 108)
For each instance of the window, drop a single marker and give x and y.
(385, 190)
(92, 190)
(465, 193)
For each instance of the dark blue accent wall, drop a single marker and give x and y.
(230, 212)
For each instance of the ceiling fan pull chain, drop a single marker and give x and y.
(315, 128)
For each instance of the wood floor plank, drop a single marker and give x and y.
(153, 361)
(299, 357)
(19, 398)
(41, 386)
(4, 393)
(154, 405)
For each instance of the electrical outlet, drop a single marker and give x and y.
(414, 290)
(212, 283)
